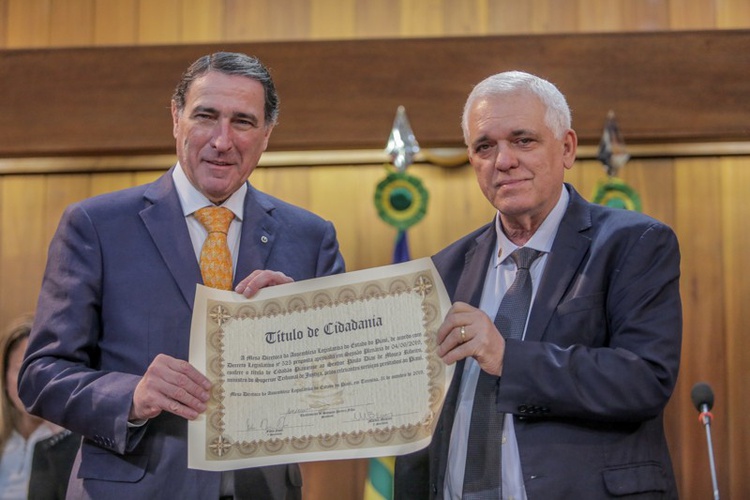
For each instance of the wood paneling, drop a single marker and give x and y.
(699, 228)
(732, 14)
(378, 18)
(736, 276)
(201, 20)
(689, 14)
(115, 23)
(332, 19)
(160, 22)
(115, 99)
(28, 23)
(72, 22)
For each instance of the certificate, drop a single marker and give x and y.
(338, 367)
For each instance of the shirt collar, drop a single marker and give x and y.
(543, 237)
(191, 199)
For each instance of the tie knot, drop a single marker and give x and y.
(215, 219)
(523, 257)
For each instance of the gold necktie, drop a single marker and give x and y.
(216, 261)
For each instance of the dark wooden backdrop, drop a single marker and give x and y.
(677, 86)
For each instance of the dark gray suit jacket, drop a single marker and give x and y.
(118, 290)
(588, 385)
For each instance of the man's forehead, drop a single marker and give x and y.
(219, 84)
(517, 112)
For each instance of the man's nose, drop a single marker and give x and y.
(506, 158)
(222, 136)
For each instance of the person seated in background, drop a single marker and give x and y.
(20, 431)
(51, 466)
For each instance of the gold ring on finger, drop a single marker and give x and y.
(463, 334)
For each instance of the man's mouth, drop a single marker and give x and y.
(219, 163)
(510, 182)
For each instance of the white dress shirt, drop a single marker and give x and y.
(191, 200)
(500, 275)
(15, 464)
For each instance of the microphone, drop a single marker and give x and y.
(703, 400)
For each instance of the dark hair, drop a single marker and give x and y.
(10, 339)
(231, 63)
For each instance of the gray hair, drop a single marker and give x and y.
(557, 116)
(231, 63)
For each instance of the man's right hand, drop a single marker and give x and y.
(172, 385)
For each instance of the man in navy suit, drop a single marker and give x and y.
(107, 355)
(581, 394)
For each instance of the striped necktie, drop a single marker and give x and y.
(483, 476)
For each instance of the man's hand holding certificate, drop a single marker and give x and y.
(338, 367)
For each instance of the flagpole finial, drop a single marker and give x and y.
(614, 192)
(402, 145)
(400, 198)
(612, 152)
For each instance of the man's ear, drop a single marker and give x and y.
(175, 118)
(570, 146)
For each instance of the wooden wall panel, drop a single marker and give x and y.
(645, 15)
(23, 243)
(160, 22)
(732, 14)
(735, 205)
(698, 223)
(421, 18)
(72, 22)
(534, 16)
(28, 23)
(115, 23)
(267, 20)
(378, 18)
(107, 182)
(201, 20)
(332, 19)
(115, 99)
(692, 15)
(3, 23)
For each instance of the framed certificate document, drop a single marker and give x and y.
(337, 367)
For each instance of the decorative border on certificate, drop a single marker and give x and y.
(341, 371)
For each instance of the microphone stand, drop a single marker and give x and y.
(705, 418)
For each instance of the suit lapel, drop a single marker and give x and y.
(259, 232)
(166, 225)
(471, 282)
(469, 290)
(568, 250)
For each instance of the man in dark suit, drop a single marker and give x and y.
(580, 395)
(107, 355)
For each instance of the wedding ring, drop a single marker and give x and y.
(463, 334)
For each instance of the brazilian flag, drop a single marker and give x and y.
(401, 201)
